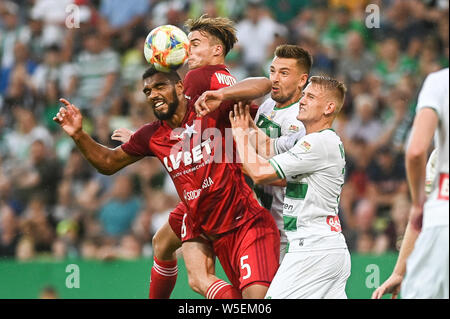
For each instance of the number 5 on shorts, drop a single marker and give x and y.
(246, 267)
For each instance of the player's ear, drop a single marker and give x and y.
(218, 50)
(330, 108)
(179, 86)
(303, 80)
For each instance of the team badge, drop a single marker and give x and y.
(272, 115)
(189, 131)
(293, 128)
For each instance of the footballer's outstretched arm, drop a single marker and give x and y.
(258, 168)
(248, 89)
(106, 160)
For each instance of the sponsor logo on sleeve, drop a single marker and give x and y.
(334, 223)
(305, 146)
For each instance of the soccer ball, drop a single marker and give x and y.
(166, 47)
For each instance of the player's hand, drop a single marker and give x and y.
(69, 118)
(208, 102)
(122, 135)
(239, 118)
(416, 217)
(390, 286)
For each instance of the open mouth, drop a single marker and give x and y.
(275, 89)
(157, 105)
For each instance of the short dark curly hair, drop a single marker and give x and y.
(172, 75)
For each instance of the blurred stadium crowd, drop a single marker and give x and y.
(54, 205)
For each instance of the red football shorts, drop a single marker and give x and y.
(251, 253)
(181, 224)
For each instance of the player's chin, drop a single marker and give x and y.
(162, 115)
(192, 64)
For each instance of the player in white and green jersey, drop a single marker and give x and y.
(277, 122)
(422, 268)
(317, 262)
(277, 118)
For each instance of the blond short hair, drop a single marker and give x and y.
(334, 87)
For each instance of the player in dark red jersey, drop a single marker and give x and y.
(210, 40)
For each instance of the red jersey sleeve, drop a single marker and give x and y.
(139, 143)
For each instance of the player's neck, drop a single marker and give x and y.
(291, 101)
(317, 126)
(216, 61)
(176, 120)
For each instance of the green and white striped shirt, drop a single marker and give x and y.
(314, 170)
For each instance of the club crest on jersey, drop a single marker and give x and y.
(272, 115)
(189, 131)
(294, 128)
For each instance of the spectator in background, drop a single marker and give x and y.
(356, 62)
(120, 209)
(42, 176)
(387, 179)
(391, 64)
(65, 207)
(54, 69)
(256, 33)
(286, 10)
(216, 8)
(356, 181)
(132, 63)
(19, 71)
(88, 249)
(68, 236)
(12, 33)
(27, 129)
(36, 225)
(97, 69)
(130, 248)
(142, 226)
(396, 118)
(25, 250)
(363, 124)
(391, 237)
(50, 106)
(117, 16)
(399, 24)
(365, 215)
(9, 232)
(428, 60)
(59, 249)
(334, 37)
(53, 15)
(77, 172)
(165, 11)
